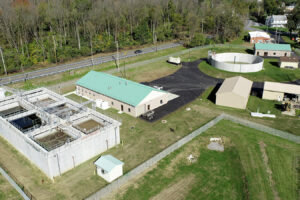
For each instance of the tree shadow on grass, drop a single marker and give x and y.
(250, 51)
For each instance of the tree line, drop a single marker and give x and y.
(39, 32)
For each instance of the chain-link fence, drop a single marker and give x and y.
(141, 168)
(152, 161)
(263, 128)
(22, 187)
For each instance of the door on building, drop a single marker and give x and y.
(122, 107)
(265, 53)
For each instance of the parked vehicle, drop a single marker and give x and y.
(174, 60)
(138, 51)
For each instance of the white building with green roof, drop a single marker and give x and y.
(127, 96)
(272, 50)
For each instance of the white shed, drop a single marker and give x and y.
(109, 168)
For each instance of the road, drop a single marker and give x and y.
(77, 65)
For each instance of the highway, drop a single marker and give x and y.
(77, 65)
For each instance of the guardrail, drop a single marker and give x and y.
(95, 61)
(73, 66)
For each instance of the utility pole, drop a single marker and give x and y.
(117, 44)
(92, 53)
(3, 61)
(155, 40)
(276, 35)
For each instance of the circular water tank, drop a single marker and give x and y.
(237, 62)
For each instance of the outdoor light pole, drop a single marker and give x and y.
(117, 44)
(3, 61)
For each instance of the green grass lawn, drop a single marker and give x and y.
(7, 191)
(292, 42)
(141, 140)
(265, 28)
(75, 74)
(271, 72)
(264, 106)
(240, 172)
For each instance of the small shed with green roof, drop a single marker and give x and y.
(272, 50)
(125, 95)
(109, 167)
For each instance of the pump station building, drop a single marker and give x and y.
(234, 92)
(272, 50)
(127, 96)
(277, 91)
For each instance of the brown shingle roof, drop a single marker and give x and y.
(289, 59)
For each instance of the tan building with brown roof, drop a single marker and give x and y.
(259, 37)
(277, 91)
(289, 62)
(234, 92)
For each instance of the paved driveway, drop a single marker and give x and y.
(188, 83)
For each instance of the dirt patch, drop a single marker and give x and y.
(262, 146)
(182, 157)
(176, 191)
(216, 146)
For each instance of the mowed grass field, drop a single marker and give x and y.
(254, 165)
(140, 140)
(7, 191)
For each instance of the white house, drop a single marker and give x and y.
(276, 21)
(109, 168)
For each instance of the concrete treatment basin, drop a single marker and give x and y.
(236, 62)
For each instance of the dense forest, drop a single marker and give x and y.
(36, 32)
(39, 32)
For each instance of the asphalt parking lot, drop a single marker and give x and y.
(188, 83)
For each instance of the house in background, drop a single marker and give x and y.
(289, 9)
(109, 168)
(234, 92)
(276, 21)
(272, 50)
(289, 62)
(259, 37)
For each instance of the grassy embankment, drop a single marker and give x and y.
(75, 74)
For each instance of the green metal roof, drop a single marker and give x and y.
(108, 162)
(123, 90)
(273, 47)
